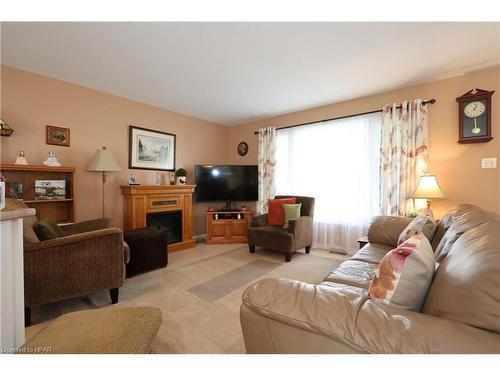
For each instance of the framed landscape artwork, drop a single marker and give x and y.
(55, 135)
(151, 149)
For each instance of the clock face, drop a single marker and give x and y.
(474, 109)
(242, 148)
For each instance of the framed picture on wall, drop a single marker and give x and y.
(55, 135)
(151, 149)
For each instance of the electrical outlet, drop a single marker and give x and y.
(488, 162)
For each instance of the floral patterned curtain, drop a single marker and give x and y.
(403, 155)
(267, 164)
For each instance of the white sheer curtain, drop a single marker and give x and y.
(337, 162)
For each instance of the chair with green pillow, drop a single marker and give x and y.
(295, 234)
(62, 262)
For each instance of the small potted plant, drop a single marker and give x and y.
(180, 175)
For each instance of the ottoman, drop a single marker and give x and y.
(128, 330)
(148, 250)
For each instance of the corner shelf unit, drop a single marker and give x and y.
(60, 210)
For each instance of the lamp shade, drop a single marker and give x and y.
(428, 188)
(104, 161)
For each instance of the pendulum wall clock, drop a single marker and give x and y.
(474, 114)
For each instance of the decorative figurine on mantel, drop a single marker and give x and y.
(52, 160)
(21, 159)
(133, 180)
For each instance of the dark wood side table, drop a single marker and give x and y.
(362, 241)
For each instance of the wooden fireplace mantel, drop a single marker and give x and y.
(139, 200)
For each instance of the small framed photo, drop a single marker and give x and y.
(151, 149)
(55, 135)
(50, 189)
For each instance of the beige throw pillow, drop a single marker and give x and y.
(423, 223)
(404, 274)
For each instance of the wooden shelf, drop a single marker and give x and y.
(47, 200)
(36, 168)
(59, 210)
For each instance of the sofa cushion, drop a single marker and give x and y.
(423, 223)
(47, 229)
(354, 273)
(386, 229)
(466, 287)
(404, 274)
(372, 253)
(465, 217)
(276, 213)
(292, 212)
(442, 227)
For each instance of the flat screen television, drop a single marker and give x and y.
(226, 183)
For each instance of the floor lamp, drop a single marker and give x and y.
(103, 161)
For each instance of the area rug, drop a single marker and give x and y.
(220, 286)
(199, 294)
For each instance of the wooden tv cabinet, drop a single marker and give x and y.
(224, 227)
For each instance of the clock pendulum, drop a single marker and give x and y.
(473, 110)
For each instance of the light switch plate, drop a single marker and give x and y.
(488, 162)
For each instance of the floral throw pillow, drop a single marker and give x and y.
(404, 274)
(423, 223)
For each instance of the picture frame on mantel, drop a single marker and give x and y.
(151, 149)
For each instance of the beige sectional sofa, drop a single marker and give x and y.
(461, 313)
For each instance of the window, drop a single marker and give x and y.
(337, 162)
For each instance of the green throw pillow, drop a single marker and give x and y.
(47, 229)
(292, 212)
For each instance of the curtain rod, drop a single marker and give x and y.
(424, 102)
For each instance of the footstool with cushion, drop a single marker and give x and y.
(148, 250)
(128, 330)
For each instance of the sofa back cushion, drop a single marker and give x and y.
(423, 223)
(276, 212)
(464, 217)
(404, 274)
(443, 225)
(466, 286)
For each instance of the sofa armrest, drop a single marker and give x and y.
(345, 315)
(302, 229)
(86, 226)
(74, 265)
(386, 229)
(259, 220)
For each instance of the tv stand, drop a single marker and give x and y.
(228, 226)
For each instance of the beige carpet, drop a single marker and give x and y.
(199, 294)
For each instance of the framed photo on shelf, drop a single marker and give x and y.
(151, 149)
(50, 189)
(55, 135)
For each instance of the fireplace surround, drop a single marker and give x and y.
(141, 200)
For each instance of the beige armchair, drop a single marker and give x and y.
(298, 235)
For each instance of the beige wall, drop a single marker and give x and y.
(30, 101)
(457, 166)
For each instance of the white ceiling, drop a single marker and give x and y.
(232, 73)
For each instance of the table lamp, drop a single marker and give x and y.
(103, 161)
(428, 188)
